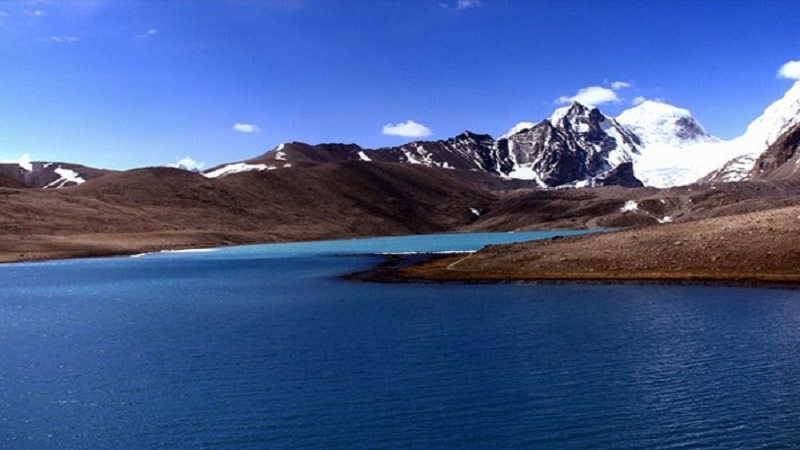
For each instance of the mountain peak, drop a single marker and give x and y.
(776, 119)
(659, 123)
(575, 109)
(466, 134)
(656, 107)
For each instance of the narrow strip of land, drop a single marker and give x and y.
(748, 249)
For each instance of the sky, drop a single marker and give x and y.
(130, 83)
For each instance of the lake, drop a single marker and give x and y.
(265, 346)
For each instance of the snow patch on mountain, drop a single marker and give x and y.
(230, 169)
(664, 166)
(558, 115)
(629, 206)
(624, 151)
(67, 177)
(735, 169)
(526, 172)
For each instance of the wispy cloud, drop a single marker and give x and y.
(188, 163)
(245, 128)
(409, 128)
(617, 85)
(149, 33)
(790, 70)
(65, 39)
(464, 4)
(461, 4)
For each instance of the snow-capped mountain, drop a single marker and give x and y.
(658, 123)
(576, 144)
(666, 134)
(765, 130)
(47, 175)
(467, 151)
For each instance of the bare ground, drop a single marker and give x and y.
(752, 248)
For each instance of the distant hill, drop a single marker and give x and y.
(40, 174)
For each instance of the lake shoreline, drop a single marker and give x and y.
(754, 249)
(431, 268)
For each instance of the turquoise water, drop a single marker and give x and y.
(265, 347)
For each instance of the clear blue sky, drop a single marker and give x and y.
(125, 83)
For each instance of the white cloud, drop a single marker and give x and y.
(188, 163)
(409, 128)
(638, 100)
(591, 96)
(617, 85)
(790, 70)
(151, 32)
(464, 4)
(65, 39)
(24, 161)
(245, 128)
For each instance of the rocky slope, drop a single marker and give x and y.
(573, 147)
(780, 160)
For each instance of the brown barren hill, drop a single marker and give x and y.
(752, 248)
(158, 208)
(9, 182)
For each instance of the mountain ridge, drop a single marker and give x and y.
(576, 146)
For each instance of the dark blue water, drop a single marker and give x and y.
(264, 347)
